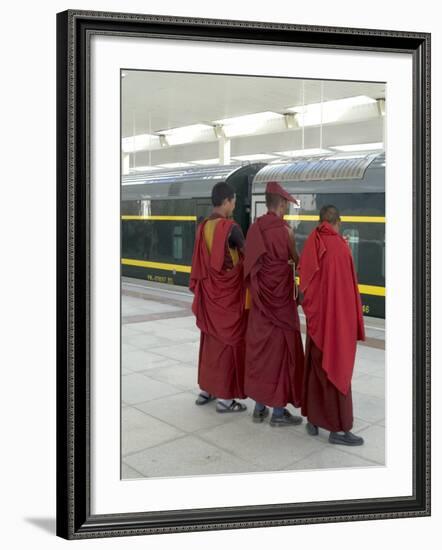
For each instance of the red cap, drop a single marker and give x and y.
(274, 188)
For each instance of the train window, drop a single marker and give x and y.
(353, 241)
(178, 242)
(260, 209)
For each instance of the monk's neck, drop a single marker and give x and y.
(274, 213)
(219, 212)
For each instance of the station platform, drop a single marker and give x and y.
(164, 434)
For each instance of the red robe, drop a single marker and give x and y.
(274, 353)
(333, 310)
(218, 304)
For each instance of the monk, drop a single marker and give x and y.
(274, 353)
(333, 310)
(216, 280)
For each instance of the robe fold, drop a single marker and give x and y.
(218, 305)
(333, 310)
(274, 352)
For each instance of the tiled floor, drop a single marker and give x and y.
(165, 434)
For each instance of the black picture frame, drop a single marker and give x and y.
(74, 518)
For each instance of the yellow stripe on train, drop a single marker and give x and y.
(161, 218)
(315, 218)
(363, 289)
(290, 217)
(157, 265)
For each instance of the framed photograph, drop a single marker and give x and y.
(243, 274)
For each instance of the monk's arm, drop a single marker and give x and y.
(236, 238)
(292, 246)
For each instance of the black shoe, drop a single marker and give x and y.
(311, 429)
(234, 407)
(287, 419)
(260, 414)
(346, 438)
(202, 399)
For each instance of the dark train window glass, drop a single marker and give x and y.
(353, 240)
(370, 269)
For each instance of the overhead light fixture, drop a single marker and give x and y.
(187, 134)
(163, 140)
(347, 156)
(381, 106)
(254, 157)
(335, 110)
(303, 152)
(359, 147)
(205, 162)
(219, 131)
(141, 142)
(144, 168)
(249, 124)
(175, 165)
(291, 121)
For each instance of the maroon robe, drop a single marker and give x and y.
(274, 353)
(218, 305)
(333, 310)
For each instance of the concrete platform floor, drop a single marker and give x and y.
(164, 434)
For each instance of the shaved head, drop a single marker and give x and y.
(329, 214)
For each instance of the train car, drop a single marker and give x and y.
(356, 186)
(160, 211)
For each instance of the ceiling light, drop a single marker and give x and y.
(359, 147)
(144, 168)
(326, 112)
(347, 156)
(187, 134)
(163, 140)
(204, 162)
(219, 131)
(175, 165)
(291, 120)
(140, 142)
(303, 152)
(257, 156)
(381, 106)
(249, 124)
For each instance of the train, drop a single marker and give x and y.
(161, 209)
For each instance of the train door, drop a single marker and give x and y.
(241, 213)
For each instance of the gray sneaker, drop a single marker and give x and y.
(346, 438)
(287, 419)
